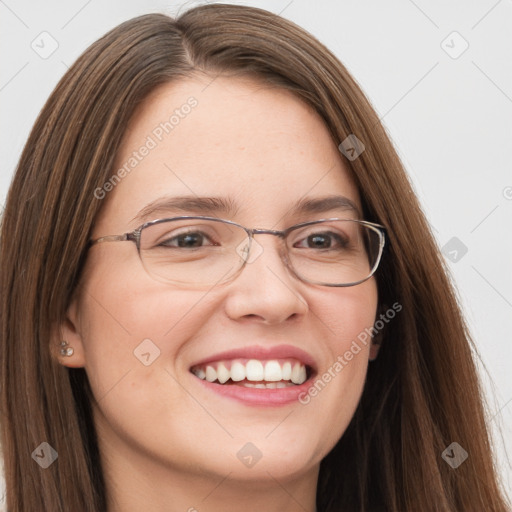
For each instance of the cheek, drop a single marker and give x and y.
(347, 315)
(132, 323)
(347, 319)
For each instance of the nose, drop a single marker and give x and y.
(265, 290)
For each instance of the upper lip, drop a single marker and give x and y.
(262, 353)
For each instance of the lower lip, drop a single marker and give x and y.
(257, 396)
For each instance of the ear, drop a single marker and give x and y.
(68, 331)
(375, 346)
(378, 338)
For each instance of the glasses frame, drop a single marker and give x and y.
(135, 236)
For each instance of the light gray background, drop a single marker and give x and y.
(450, 118)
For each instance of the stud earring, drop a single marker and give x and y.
(65, 350)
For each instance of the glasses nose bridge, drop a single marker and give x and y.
(274, 232)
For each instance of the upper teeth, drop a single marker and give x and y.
(252, 370)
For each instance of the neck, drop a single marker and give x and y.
(170, 491)
(134, 483)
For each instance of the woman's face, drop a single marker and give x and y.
(139, 338)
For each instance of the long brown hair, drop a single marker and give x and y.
(422, 392)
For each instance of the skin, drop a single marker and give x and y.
(167, 443)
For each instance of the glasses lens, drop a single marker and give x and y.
(204, 252)
(337, 252)
(193, 251)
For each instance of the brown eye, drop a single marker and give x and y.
(324, 240)
(192, 240)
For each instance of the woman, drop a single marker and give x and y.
(219, 291)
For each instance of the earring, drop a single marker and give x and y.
(65, 350)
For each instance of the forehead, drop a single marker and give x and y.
(258, 145)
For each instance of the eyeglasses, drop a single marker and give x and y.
(202, 251)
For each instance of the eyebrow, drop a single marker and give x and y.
(227, 206)
(324, 205)
(187, 204)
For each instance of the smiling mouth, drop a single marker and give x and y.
(255, 373)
